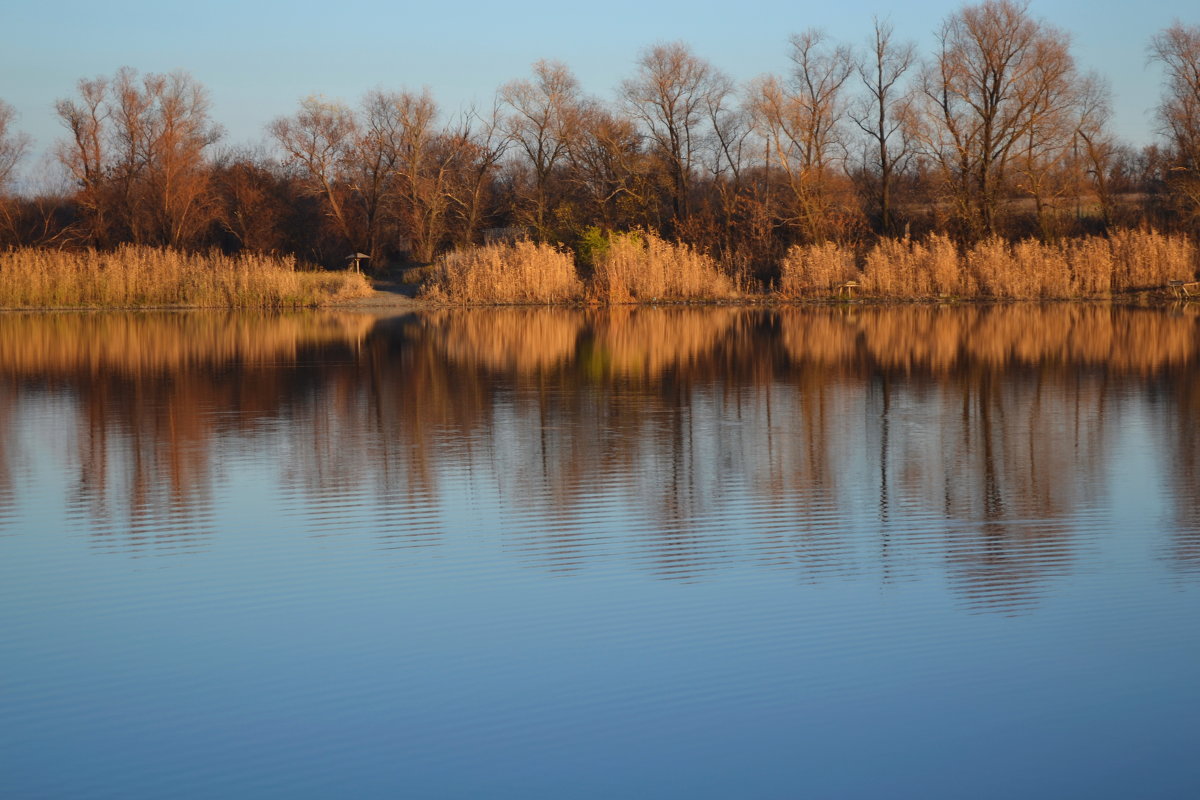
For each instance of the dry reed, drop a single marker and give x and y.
(133, 276)
(642, 267)
(1027, 270)
(517, 273)
(815, 269)
(1144, 259)
(907, 269)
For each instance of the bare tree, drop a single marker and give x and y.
(319, 139)
(885, 114)
(426, 158)
(485, 141)
(180, 132)
(669, 97)
(1178, 49)
(129, 114)
(137, 151)
(371, 165)
(727, 160)
(544, 119)
(1043, 154)
(249, 207)
(606, 168)
(999, 78)
(1095, 149)
(13, 146)
(86, 155)
(800, 120)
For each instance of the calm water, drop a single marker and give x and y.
(909, 552)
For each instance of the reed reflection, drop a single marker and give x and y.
(150, 394)
(873, 443)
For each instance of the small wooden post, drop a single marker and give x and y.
(1183, 289)
(357, 258)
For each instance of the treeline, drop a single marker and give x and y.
(994, 133)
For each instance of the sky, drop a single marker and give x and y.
(258, 59)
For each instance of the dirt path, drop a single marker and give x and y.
(389, 296)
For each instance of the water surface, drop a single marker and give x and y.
(876, 552)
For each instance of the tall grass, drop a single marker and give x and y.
(505, 273)
(626, 267)
(905, 268)
(643, 267)
(133, 276)
(818, 269)
(1084, 267)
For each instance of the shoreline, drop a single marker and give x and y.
(390, 300)
(630, 270)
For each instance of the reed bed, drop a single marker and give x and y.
(1086, 267)
(904, 268)
(643, 267)
(627, 268)
(818, 269)
(133, 276)
(505, 273)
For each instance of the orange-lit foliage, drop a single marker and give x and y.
(905, 268)
(634, 267)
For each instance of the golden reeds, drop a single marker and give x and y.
(638, 267)
(993, 268)
(521, 272)
(905, 268)
(815, 269)
(642, 267)
(631, 267)
(133, 276)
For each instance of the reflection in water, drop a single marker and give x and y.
(976, 441)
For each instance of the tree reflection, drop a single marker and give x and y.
(864, 443)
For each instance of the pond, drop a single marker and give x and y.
(830, 552)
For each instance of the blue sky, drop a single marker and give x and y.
(259, 58)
